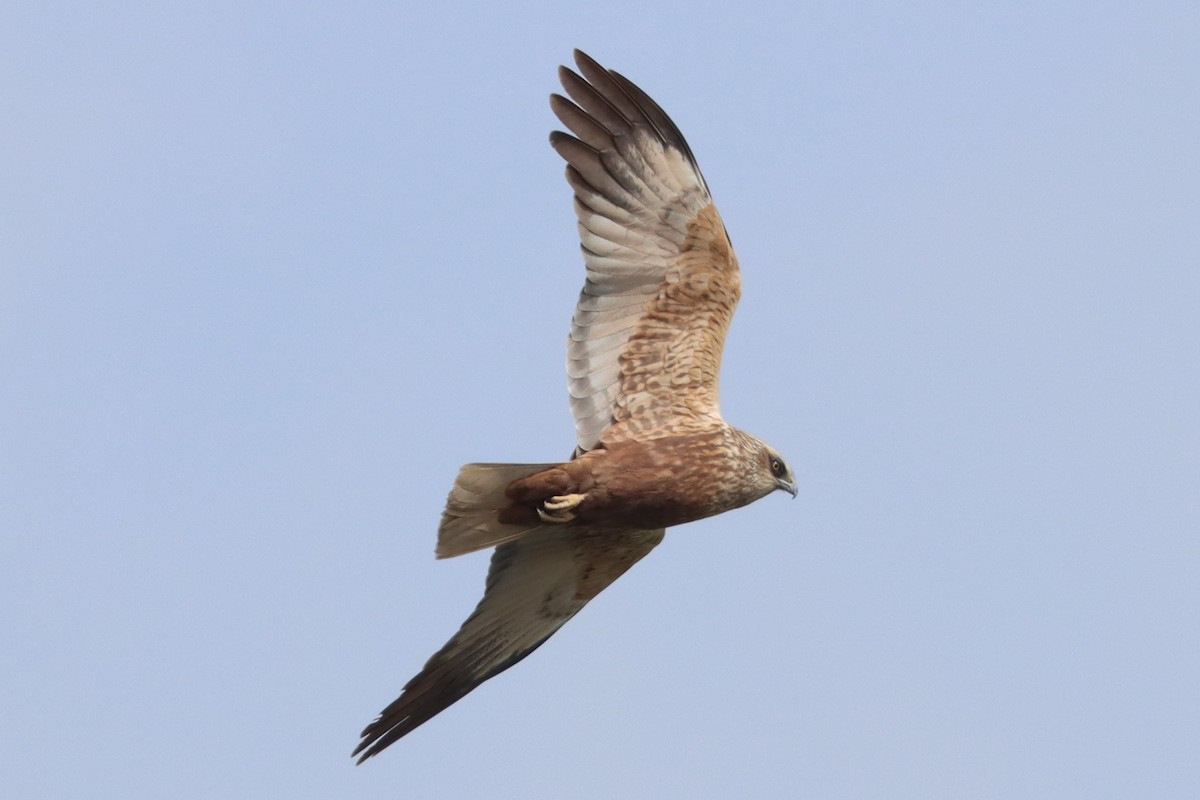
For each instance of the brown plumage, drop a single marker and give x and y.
(643, 358)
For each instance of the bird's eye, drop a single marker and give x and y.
(777, 468)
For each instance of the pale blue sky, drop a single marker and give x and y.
(271, 272)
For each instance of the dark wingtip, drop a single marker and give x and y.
(369, 738)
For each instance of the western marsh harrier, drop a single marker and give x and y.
(643, 358)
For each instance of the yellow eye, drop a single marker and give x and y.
(777, 467)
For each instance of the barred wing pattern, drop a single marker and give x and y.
(644, 352)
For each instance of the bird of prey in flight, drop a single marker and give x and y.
(643, 358)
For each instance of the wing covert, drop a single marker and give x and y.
(662, 283)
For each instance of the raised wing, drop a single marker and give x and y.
(644, 354)
(534, 586)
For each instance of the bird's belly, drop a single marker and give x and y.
(651, 498)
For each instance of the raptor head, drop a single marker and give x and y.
(765, 469)
(779, 471)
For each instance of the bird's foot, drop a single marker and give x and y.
(560, 507)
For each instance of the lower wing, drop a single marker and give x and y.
(534, 585)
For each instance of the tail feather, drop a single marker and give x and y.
(471, 520)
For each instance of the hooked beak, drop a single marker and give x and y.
(790, 487)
